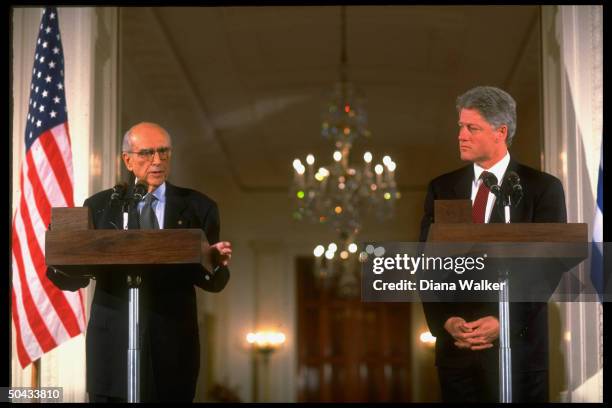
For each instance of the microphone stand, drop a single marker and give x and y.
(133, 352)
(505, 351)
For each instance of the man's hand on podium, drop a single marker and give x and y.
(216, 255)
(221, 253)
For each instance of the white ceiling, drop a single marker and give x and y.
(241, 88)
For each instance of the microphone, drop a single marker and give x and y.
(140, 190)
(513, 188)
(118, 192)
(490, 181)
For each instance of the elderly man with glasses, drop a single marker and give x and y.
(170, 358)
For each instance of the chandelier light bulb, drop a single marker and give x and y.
(352, 248)
(324, 172)
(367, 157)
(310, 159)
(298, 166)
(391, 166)
(344, 255)
(387, 160)
(332, 247)
(337, 156)
(319, 250)
(379, 169)
(329, 255)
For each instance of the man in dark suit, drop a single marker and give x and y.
(170, 349)
(467, 350)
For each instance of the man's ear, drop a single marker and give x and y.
(503, 132)
(127, 160)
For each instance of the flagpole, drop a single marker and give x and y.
(35, 377)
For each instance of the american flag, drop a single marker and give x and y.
(43, 315)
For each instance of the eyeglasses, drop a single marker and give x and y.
(149, 154)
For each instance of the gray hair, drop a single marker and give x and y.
(126, 145)
(495, 105)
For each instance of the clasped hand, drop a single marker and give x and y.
(477, 335)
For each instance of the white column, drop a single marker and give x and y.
(572, 52)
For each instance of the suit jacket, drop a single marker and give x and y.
(543, 201)
(170, 348)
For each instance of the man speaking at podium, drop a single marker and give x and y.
(170, 355)
(467, 349)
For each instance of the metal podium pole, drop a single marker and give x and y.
(133, 352)
(505, 352)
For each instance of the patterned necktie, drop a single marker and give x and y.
(148, 220)
(480, 202)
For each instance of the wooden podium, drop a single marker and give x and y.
(454, 224)
(75, 249)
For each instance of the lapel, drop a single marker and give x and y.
(463, 186)
(176, 204)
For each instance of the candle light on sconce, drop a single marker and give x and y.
(266, 341)
(427, 339)
(263, 344)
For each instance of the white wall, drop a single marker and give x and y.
(89, 38)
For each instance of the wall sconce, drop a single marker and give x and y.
(263, 344)
(427, 339)
(266, 342)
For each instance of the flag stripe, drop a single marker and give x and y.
(33, 259)
(39, 329)
(81, 304)
(49, 183)
(35, 217)
(56, 161)
(58, 134)
(22, 354)
(40, 198)
(62, 138)
(54, 295)
(30, 344)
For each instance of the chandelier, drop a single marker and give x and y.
(341, 193)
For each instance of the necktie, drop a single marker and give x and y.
(148, 220)
(480, 202)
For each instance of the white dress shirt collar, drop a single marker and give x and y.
(498, 169)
